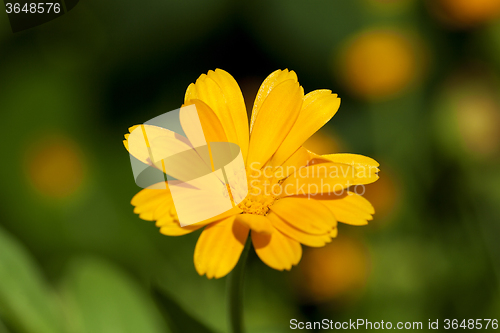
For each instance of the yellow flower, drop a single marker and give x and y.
(290, 197)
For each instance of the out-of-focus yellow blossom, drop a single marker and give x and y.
(54, 166)
(478, 117)
(468, 116)
(276, 213)
(465, 13)
(377, 64)
(337, 271)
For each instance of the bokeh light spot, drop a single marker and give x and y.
(465, 13)
(479, 124)
(384, 195)
(337, 271)
(324, 142)
(379, 63)
(468, 115)
(55, 166)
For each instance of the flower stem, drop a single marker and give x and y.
(235, 292)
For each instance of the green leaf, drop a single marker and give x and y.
(103, 299)
(27, 304)
(178, 319)
(3, 328)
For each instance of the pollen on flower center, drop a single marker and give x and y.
(262, 193)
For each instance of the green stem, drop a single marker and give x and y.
(235, 292)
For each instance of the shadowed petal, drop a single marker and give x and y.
(219, 247)
(351, 209)
(298, 235)
(277, 250)
(307, 215)
(257, 223)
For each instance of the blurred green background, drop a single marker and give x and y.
(420, 89)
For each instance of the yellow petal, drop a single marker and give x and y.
(298, 160)
(213, 131)
(258, 223)
(169, 222)
(236, 105)
(298, 235)
(307, 215)
(277, 250)
(165, 209)
(223, 100)
(202, 127)
(275, 119)
(167, 151)
(351, 209)
(232, 212)
(147, 201)
(158, 204)
(167, 218)
(326, 178)
(133, 127)
(352, 159)
(274, 79)
(147, 194)
(141, 138)
(219, 247)
(318, 108)
(174, 229)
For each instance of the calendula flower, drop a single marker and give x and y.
(295, 197)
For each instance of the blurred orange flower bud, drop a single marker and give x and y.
(55, 166)
(468, 116)
(377, 64)
(337, 271)
(384, 195)
(465, 13)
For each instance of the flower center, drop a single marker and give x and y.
(262, 193)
